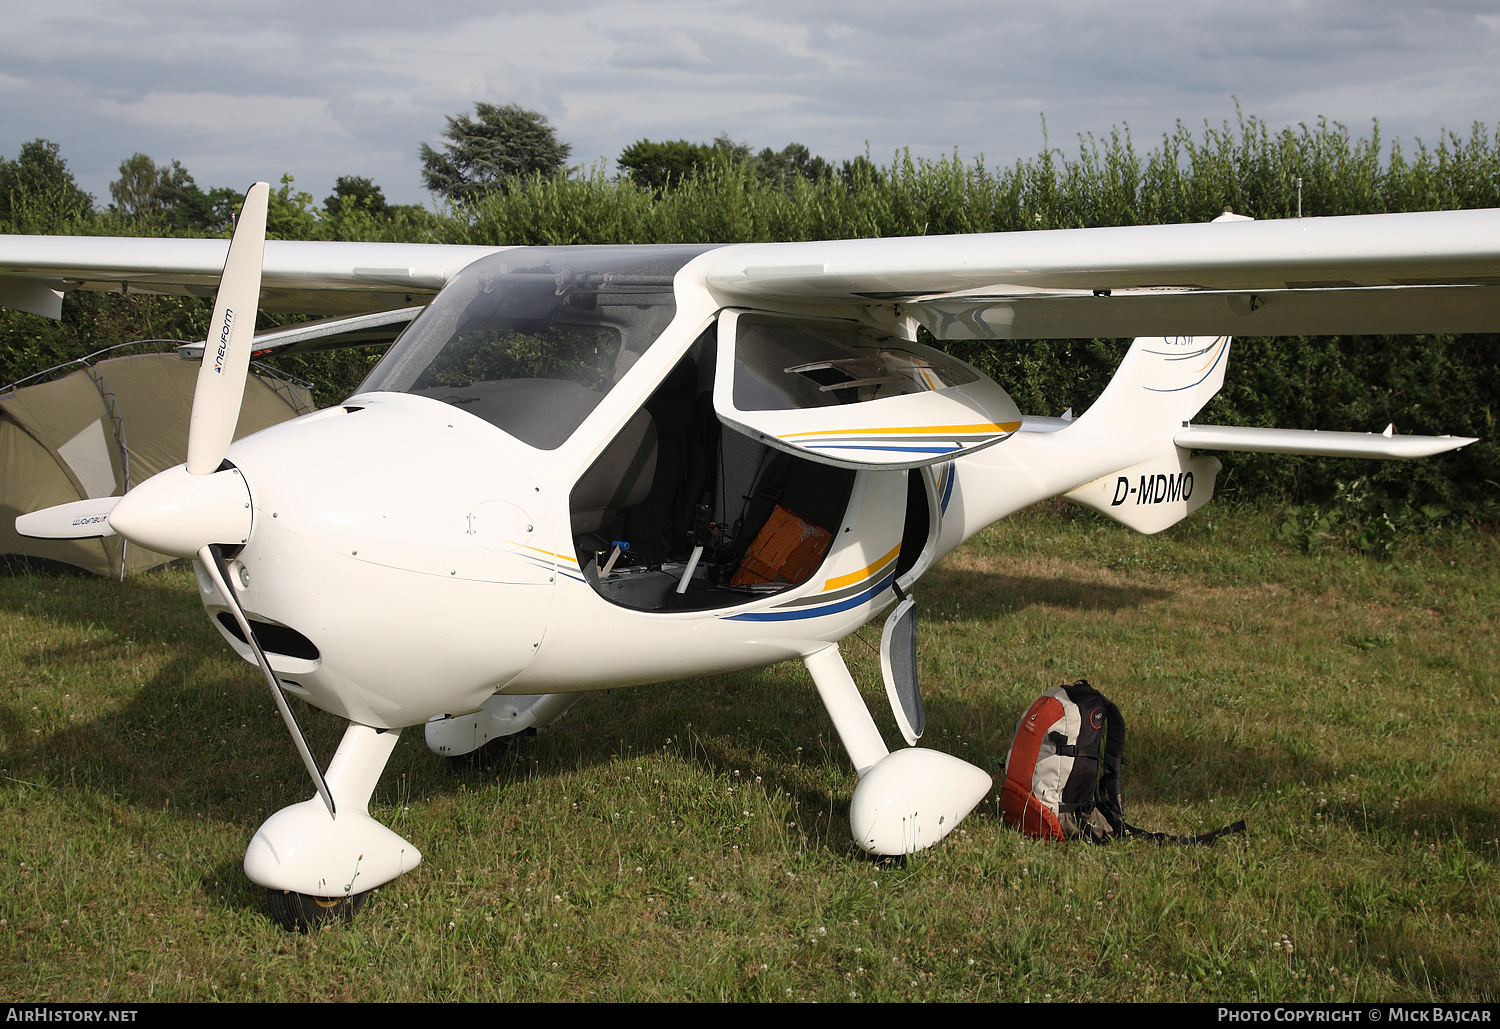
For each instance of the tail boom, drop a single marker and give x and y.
(1128, 456)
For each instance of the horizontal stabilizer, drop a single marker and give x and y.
(1312, 442)
(82, 519)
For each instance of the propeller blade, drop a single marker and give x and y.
(213, 563)
(82, 519)
(226, 355)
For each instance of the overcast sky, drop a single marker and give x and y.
(321, 89)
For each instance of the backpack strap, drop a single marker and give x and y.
(1186, 841)
(1066, 749)
(1111, 801)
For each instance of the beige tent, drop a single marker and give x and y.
(99, 431)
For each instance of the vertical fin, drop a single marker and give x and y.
(1163, 381)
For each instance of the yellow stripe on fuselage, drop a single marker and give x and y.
(863, 573)
(560, 557)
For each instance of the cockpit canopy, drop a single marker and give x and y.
(532, 339)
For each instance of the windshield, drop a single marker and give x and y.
(532, 339)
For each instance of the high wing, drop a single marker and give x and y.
(1389, 273)
(301, 277)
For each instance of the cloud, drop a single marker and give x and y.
(674, 49)
(321, 90)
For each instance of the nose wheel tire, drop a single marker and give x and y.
(300, 913)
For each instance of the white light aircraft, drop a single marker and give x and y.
(587, 467)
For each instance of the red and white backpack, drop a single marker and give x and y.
(1052, 787)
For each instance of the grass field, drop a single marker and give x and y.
(689, 840)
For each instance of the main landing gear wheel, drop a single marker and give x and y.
(489, 752)
(300, 913)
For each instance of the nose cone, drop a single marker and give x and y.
(403, 540)
(177, 513)
(403, 486)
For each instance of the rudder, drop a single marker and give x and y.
(1162, 382)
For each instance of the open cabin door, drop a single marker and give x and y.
(844, 394)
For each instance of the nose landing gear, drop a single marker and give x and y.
(301, 913)
(317, 868)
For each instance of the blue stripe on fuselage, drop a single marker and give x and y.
(829, 609)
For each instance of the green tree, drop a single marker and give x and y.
(134, 192)
(738, 153)
(503, 145)
(360, 191)
(664, 166)
(167, 193)
(290, 213)
(792, 162)
(37, 192)
(860, 172)
(198, 213)
(659, 166)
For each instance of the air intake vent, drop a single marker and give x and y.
(274, 639)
